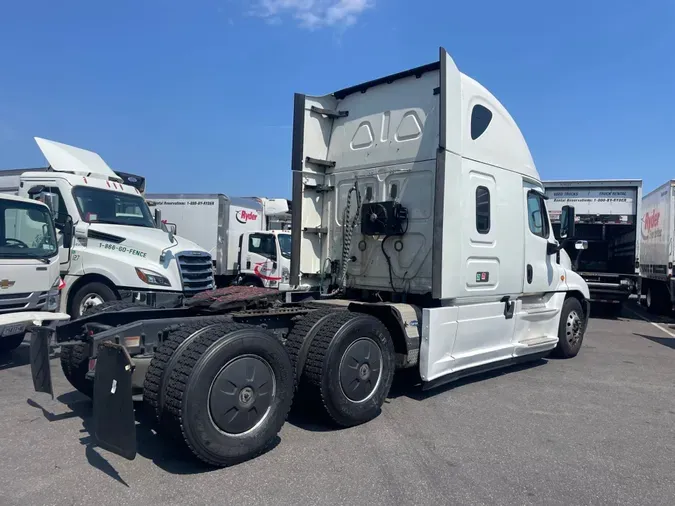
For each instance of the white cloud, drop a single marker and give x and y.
(314, 14)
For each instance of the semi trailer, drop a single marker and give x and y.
(607, 214)
(30, 283)
(657, 226)
(247, 238)
(420, 222)
(119, 251)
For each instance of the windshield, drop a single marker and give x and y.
(104, 206)
(26, 231)
(285, 245)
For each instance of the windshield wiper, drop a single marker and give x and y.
(44, 260)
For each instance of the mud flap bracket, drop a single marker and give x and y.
(113, 417)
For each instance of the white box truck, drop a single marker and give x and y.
(657, 253)
(118, 251)
(608, 215)
(247, 237)
(30, 282)
(419, 190)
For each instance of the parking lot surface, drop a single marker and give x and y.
(597, 429)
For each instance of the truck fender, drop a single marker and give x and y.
(576, 283)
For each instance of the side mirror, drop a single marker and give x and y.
(581, 245)
(567, 222)
(52, 202)
(158, 218)
(172, 228)
(68, 233)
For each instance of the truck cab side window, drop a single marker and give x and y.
(536, 215)
(482, 210)
(263, 244)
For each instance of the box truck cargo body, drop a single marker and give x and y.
(607, 215)
(235, 231)
(657, 225)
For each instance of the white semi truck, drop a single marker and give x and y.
(248, 238)
(118, 251)
(657, 248)
(30, 282)
(419, 214)
(608, 214)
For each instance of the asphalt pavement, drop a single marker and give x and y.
(597, 429)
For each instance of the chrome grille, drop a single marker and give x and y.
(27, 301)
(196, 271)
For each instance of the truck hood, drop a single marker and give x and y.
(151, 241)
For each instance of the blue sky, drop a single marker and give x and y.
(197, 96)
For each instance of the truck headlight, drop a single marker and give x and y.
(54, 296)
(151, 277)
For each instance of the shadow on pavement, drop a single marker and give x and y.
(171, 456)
(606, 311)
(407, 383)
(668, 342)
(19, 357)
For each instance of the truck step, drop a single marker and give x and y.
(536, 341)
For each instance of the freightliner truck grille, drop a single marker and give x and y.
(196, 272)
(28, 301)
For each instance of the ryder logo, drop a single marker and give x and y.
(650, 221)
(245, 216)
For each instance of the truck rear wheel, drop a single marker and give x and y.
(165, 358)
(570, 329)
(350, 367)
(229, 393)
(75, 359)
(302, 333)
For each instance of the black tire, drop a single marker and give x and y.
(354, 336)
(571, 329)
(159, 368)
(97, 289)
(10, 343)
(75, 359)
(206, 362)
(305, 328)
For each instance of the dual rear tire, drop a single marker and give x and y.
(224, 390)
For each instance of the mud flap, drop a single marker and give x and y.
(114, 421)
(39, 360)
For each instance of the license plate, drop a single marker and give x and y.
(10, 330)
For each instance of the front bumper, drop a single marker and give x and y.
(156, 299)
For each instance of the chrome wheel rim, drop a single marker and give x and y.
(89, 301)
(573, 328)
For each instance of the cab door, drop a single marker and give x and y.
(261, 258)
(541, 269)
